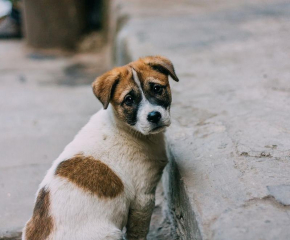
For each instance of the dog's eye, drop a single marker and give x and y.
(157, 89)
(129, 100)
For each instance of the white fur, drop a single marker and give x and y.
(145, 107)
(138, 160)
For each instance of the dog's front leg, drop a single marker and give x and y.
(139, 217)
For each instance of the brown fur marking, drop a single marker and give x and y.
(146, 75)
(91, 175)
(162, 62)
(103, 86)
(126, 85)
(41, 223)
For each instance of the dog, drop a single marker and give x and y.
(105, 179)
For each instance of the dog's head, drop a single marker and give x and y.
(139, 93)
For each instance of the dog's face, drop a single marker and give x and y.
(139, 93)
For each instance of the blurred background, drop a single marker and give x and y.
(229, 174)
(50, 52)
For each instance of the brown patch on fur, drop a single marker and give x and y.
(147, 74)
(161, 63)
(103, 86)
(127, 85)
(146, 71)
(41, 223)
(91, 175)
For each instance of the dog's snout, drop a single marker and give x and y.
(154, 117)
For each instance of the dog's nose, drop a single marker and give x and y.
(154, 117)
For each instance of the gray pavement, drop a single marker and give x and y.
(45, 99)
(231, 133)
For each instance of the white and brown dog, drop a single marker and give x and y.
(105, 179)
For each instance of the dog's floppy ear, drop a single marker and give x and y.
(163, 65)
(104, 85)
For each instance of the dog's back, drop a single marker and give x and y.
(80, 195)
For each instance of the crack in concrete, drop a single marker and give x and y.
(261, 155)
(268, 198)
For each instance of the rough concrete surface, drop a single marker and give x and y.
(230, 136)
(45, 98)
